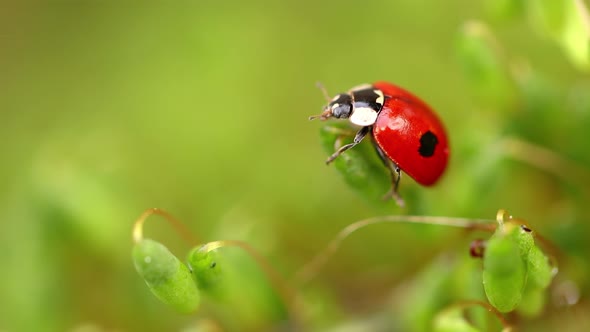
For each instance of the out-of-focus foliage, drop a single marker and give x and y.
(200, 108)
(568, 23)
(452, 321)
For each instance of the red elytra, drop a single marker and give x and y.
(400, 131)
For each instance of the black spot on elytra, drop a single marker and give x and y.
(214, 264)
(428, 143)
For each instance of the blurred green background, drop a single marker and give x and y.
(200, 108)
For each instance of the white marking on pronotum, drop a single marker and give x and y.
(380, 99)
(363, 116)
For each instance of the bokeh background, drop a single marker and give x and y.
(200, 108)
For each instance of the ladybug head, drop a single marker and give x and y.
(340, 107)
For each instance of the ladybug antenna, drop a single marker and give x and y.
(324, 91)
(327, 111)
(324, 116)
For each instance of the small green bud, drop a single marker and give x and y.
(168, 278)
(533, 300)
(504, 274)
(205, 266)
(524, 238)
(539, 269)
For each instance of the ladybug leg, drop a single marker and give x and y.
(396, 175)
(357, 139)
(398, 172)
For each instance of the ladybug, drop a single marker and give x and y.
(405, 131)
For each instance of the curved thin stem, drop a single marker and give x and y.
(179, 227)
(280, 285)
(308, 271)
(488, 307)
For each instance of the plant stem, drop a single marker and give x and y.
(184, 232)
(308, 271)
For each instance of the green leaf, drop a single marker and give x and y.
(206, 268)
(504, 274)
(168, 278)
(359, 166)
(452, 320)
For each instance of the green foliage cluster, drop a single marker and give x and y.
(513, 268)
(206, 273)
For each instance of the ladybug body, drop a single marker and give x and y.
(406, 132)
